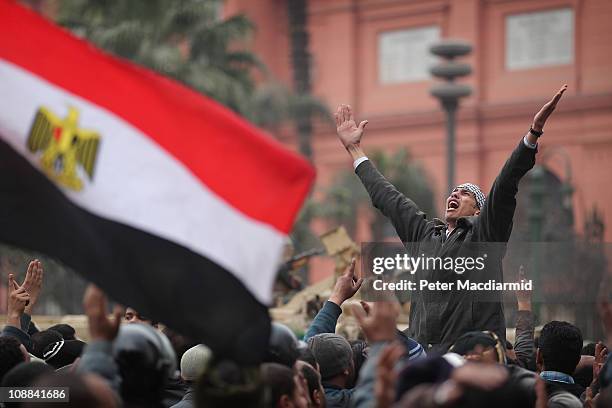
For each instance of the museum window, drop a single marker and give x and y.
(403, 55)
(539, 39)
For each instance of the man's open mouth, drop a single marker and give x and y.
(452, 205)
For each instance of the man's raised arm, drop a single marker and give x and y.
(496, 216)
(408, 220)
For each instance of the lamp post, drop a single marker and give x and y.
(449, 92)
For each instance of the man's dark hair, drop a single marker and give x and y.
(24, 375)
(66, 330)
(560, 346)
(277, 380)
(42, 339)
(180, 343)
(307, 356)
(313, 378)
(10, 354)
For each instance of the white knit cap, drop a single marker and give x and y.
(194, 362)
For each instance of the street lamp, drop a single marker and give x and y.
(449, 91)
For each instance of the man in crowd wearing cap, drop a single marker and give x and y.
(335, 357)
(193, 364)
(438, 319)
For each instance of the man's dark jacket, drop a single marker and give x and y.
(437, 319)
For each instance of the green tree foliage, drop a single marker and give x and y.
(188, 41)
(347, 194)
(185, 39)
(274, 104)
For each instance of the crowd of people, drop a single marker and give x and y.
(454, 353)
(131, 361)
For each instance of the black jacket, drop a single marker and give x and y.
(438, 318)
(553, 387)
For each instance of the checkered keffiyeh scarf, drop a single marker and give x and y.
(474, 189)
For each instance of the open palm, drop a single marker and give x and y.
(540, 118)
(346, 127)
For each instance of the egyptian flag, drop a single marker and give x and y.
(168, 201)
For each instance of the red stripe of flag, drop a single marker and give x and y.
(241, 164)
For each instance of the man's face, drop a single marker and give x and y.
(461, 203)
(132, 316)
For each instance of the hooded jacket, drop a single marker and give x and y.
(437, 319)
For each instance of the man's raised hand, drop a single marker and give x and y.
(346, 285)
(33, 283)
(95, 305)
(380, 324)
(346, 127)
(18, 298)
(540, 118)
(523, 297)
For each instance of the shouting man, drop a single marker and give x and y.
(437, 320)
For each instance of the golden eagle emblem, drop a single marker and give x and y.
(64, 146)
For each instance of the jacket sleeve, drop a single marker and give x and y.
(16, 332)
(414, 350)
(97, 358)
(26, 319)
(409, 222)
(495, 220)
(325, 321)
(523, 345)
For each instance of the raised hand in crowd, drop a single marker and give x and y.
(18, 299)
(33, 283)
(346, 286)
(380, 324)
(480, 376)
(601, 354)
(367, 308)
(605, 311)
(540, 118)
(523, 297)
(469, 376)
(348, 132)
(95, 305)
(590, 401)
